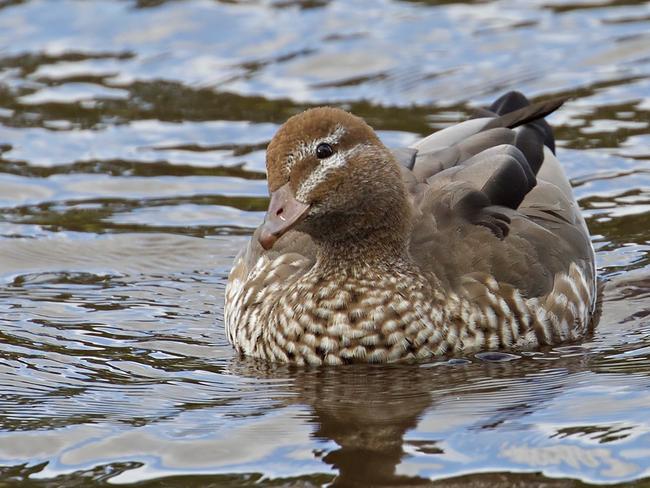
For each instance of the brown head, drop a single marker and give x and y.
(329, 175)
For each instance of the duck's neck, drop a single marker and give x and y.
(372, 235)
(380, 251)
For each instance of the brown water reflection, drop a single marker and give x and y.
(132, 140)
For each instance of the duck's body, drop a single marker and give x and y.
(470, 240)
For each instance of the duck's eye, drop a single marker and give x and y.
(324, 150)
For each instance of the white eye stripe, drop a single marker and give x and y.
(308, 149)
(320, 172)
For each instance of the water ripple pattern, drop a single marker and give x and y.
(132, 138)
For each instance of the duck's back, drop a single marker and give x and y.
(491, 198)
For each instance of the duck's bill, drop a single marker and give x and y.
(283, 214)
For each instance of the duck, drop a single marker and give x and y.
(469, 240)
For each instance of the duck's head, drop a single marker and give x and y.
(330, 176)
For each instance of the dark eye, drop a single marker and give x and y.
(324, 150)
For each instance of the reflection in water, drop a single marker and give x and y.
(399, 425)
(366, 413)
(132, 139)
(383, 425)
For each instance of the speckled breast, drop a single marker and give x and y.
(307, 318)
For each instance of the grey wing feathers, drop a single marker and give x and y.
(405, 156)
(499, 172)
(499, 156)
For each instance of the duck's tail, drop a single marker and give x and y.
(514, 110)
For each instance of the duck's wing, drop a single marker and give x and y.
(490, 196)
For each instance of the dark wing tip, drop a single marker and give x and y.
(526, 114)
(514, 110)
(509, 102)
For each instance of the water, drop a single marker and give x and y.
(132, 140)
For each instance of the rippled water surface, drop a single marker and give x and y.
(132, 138)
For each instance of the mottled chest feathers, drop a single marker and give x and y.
(355, 320)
